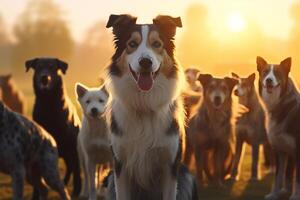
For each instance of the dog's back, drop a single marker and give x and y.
(25, 146)
(11, 96)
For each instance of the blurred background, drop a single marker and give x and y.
(218, 36)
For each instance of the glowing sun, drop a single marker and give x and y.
(236, 22)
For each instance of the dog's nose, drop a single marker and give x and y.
(94, 111)
(217, 100)
(146, 64)
(269, 81)
(45, 79)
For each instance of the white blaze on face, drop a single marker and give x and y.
(271, 75)
(240, 89)
(144, 51)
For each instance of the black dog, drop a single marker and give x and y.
(28, 151)
(54, 111)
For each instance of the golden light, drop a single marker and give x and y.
(236, 22)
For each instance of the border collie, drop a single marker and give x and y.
(146, 118)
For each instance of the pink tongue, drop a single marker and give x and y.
(145, 81)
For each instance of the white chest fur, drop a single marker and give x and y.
(270, 99)
(144, 143)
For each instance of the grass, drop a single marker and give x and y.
(243, 189)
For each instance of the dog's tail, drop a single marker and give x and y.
(187, 185)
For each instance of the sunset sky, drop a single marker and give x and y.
(272, 15)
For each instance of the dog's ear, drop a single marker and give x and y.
(31, 64)
(63, 66)
(167, 24)
(101, 80)
(286, 64)
(231, 82)
(234, 75)
(120, 22)
(7, 77)
(251, 77)
(80, 90)
(261, 63)
(204, 79)
(104, 89)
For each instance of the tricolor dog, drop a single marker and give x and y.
(93, 139)
(146, 117)
(281, 100)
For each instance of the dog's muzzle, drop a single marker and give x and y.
(269, 85)
(45, 81)
(145, 77)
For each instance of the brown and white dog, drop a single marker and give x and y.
(147, 118)
(210, 129)
(250, 126)
(281, 101)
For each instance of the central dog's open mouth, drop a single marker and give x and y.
(270, 88)
(144, 80)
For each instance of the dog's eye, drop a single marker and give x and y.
(156, 44)
(101, 100)
(88, 101)
(133, 44)
(265, 72)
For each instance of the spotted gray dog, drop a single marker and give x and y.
(28, 151)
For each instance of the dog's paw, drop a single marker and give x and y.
(283, 192)
(233, 177)
(272, 196)
(295, 197)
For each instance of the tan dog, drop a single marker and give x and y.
(250, 126)
(11, 95)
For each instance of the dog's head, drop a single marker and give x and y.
(273, 78)
(245, 86)
(47, 72)
(191, 76)
(93, 101)
(217, 91)
(4, 80)
(143, 51)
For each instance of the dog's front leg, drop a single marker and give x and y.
(169, 186)
(122, 185)
(18, 176)
(255, 158)
(91, 174)
(296, 189)
(277, 191)
(238, 154)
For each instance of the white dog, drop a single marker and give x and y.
(93, 139)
